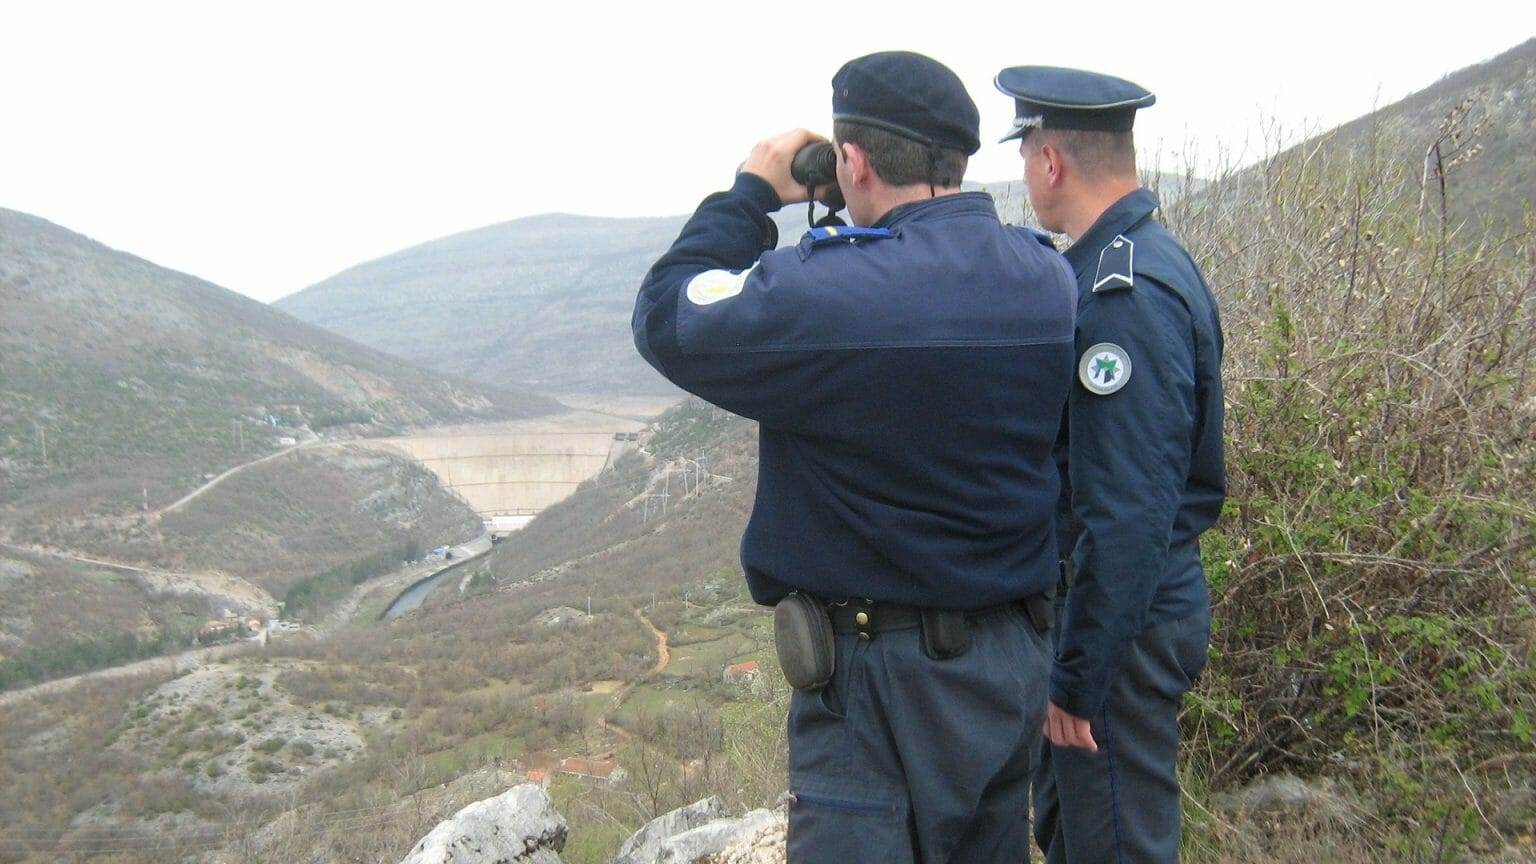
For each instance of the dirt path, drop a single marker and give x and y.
(171, 665)
(663, 657)
(663, 654)
(232, 589)
(195, 493)
(200, 656)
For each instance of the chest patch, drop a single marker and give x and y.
(1104, 368)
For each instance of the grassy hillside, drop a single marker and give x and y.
(122, 384)
(1488, 157)
(293, 517)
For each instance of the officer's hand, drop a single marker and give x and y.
(1066, 730)
(770, 160)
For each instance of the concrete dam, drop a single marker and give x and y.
(508, 472)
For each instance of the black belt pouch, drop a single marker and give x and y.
(946, 634)
(802, 637)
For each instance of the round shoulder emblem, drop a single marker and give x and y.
(1104, 368)
(712, 286)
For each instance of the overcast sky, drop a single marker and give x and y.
(265, 146)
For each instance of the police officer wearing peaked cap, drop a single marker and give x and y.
(908, 374)
(1142, 476)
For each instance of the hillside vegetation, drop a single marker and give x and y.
(373, 717)
(1486, 158)
(122, 384)
(1373, 573)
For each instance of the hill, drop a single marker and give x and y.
(550, 296)
(125, 388)
(1488, 149)
(122, 384)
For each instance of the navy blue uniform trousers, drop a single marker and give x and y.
(1125, 798)
(904, 759)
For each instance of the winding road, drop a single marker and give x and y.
(314, 440)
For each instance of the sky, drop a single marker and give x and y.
(266, 146)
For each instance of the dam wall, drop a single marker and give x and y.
(513, 470)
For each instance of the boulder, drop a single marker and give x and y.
(519, 826)
(707, 843)
(765, 845)
(643, 846)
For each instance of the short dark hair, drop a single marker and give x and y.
(901, 161)
(1096, 154)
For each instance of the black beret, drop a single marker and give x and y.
(1050, 97)
(913, 96)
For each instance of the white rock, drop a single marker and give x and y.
(714, 838)
(643, 846)
(519, 826)
(766, 845)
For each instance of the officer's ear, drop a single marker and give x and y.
(859, 170)
(1055, 163)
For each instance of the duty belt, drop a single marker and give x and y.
(867, 617)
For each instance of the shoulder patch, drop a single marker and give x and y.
(712, 286)
(1115, 265)
(839, 234)
(1104, 368)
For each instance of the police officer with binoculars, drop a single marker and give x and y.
(909, 374)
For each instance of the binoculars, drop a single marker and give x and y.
(816, 165)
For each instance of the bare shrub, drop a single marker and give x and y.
(1371, 577)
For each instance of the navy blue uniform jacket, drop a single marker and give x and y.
(1142, 465)
(909, 387)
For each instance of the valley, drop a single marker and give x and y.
(315, 728)
(271, 594)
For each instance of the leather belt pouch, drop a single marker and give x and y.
(802, 637)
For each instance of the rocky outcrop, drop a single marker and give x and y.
(519, 826)
(756, 838)
(763, 844)
(644, 845)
